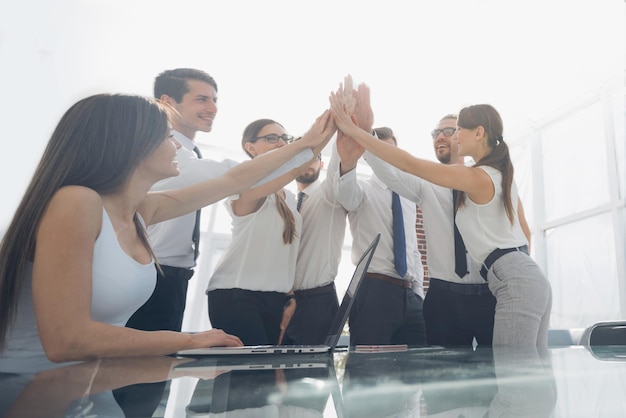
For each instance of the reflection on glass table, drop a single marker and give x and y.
(568, 382)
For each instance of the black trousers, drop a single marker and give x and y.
(384, 313)
(456, 314)
(311, 321)
(165, 308)
(140, 400)
(252, 316)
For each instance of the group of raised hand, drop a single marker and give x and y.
(353, 116)
(351, 108)
(350, 112)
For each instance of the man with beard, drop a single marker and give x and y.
(323, 231)
(193, 95)
(458, 307)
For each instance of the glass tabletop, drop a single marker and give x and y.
(424, 382)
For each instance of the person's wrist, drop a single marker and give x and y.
(289, 298)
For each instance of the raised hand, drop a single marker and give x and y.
(348, 149)
(320, 133)
(363, 110)
(341, 113)
(348, 94)
(349, 152)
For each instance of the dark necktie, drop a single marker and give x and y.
(300, 200)
(195, 236)
(399, 243)
(460, 253)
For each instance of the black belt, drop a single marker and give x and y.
(459, 288)
(395, 281)
(497, 253)
(177, 272)
(320, 290)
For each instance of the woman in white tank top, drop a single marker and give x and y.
(81, 228)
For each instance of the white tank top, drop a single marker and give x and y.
(487, 227)
(121, 285)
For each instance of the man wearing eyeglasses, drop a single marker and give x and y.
(458, 308)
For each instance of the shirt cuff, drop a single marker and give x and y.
(296, 161)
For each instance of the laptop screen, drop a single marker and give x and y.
(344, 309)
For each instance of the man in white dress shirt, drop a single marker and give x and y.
(457, 308)
(323, 232)
(388, 306)
(192, 94)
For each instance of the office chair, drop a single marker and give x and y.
(606, 340)
(605, 333)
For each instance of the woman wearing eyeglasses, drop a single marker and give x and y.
(251, 287)
(487, 216)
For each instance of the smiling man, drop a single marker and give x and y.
(458, 307)
(443, 141)
(192, 94)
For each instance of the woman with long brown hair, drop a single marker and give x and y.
(487, 215)
(75, 262)
(250, 292)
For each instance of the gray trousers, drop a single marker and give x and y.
(523, 301)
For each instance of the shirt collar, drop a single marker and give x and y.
(184, 141)
(312, 187)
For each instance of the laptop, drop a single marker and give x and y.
(229, 363)
(334, 332)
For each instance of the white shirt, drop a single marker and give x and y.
(323, 232)
(369, 210)
(487, 227)
(437, 214)
(257, 257)
(171, 239)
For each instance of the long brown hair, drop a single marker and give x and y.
(97, 144)
(249, 135)
(487, 116)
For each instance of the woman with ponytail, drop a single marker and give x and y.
(488, 212)
(250, 292)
